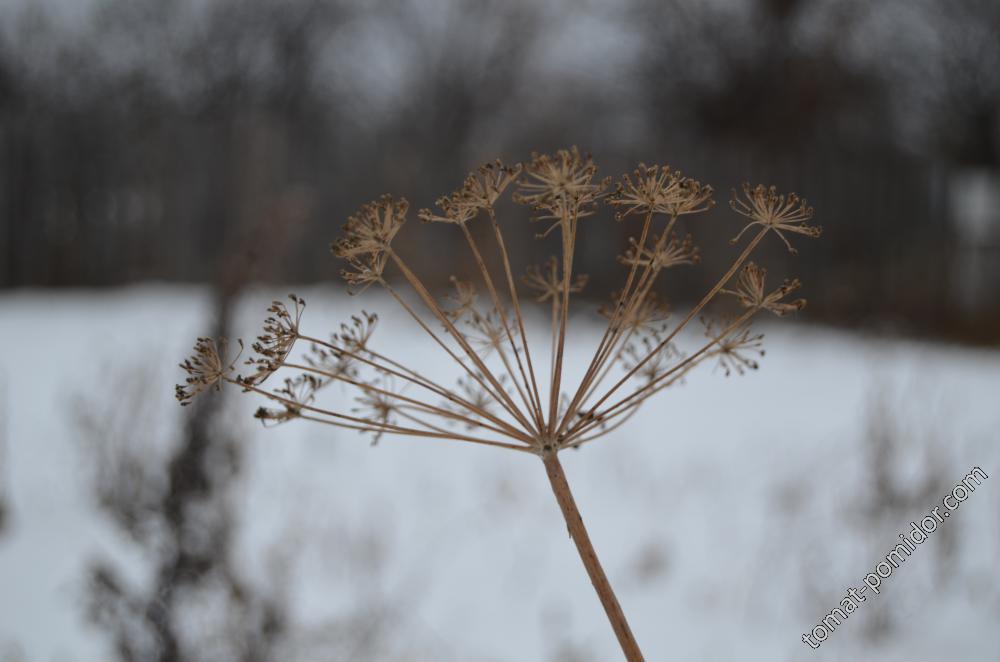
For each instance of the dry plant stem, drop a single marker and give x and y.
(638, 296)
(568, 229)
(627, 302)
(578, 532)
(555, 335)
(631, 303)
(502, 311)
(623, 416)
(472, 373)
(418, 433)
(616, 316)
(403, 372)
(655, 385)
(432, 305)
(576, 441)
(419, 421)
(367, 425)
(517, 310)
(619, 341)
(680, 327)
(423, 406)
(414, 378)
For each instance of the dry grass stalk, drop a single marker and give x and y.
(502, 399)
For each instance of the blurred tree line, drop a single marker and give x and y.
(142, 139)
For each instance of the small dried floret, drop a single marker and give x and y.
(770, 210)
(751, 293)
(663, 254)
(735, 350)
(281, 330)
(561, 185)
(545, 280)
(206, 368)
(370, 231)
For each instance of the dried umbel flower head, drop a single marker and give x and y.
(752, 293)
(646, 315)
(561, 186)
(488, 331)
(372, 229)
(378, 406)
(281, 330)
(659, 190)
(367, 238)
(546, 282)
(356, 334)
(297, 392)
(696, 199)
(665, 253)
(479, 192)
(766, 208)
(364, 271)
(206, 368)
(485, 186)
(463, 300)
(634, 353)
(735, 349)
(510, 394)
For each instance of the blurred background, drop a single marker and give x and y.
(167, 166)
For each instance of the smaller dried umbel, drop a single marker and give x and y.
(561, 186)
(766, 208)
(206, 369)
(281, 330)
(378, 405)
(479, 192)
(735, 350)
(368, 235)
(751, 292)
(659, 190)
(547, 284)
(372, 229)
(645, 315)
(665, 253)
(298, 392)
(463, 301)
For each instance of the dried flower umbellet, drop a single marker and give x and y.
(504, 397)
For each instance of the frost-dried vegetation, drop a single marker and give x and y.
(510, 395)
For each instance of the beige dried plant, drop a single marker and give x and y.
(505, 398)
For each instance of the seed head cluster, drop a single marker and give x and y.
(507, 389)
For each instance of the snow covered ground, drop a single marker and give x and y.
(731, 514)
